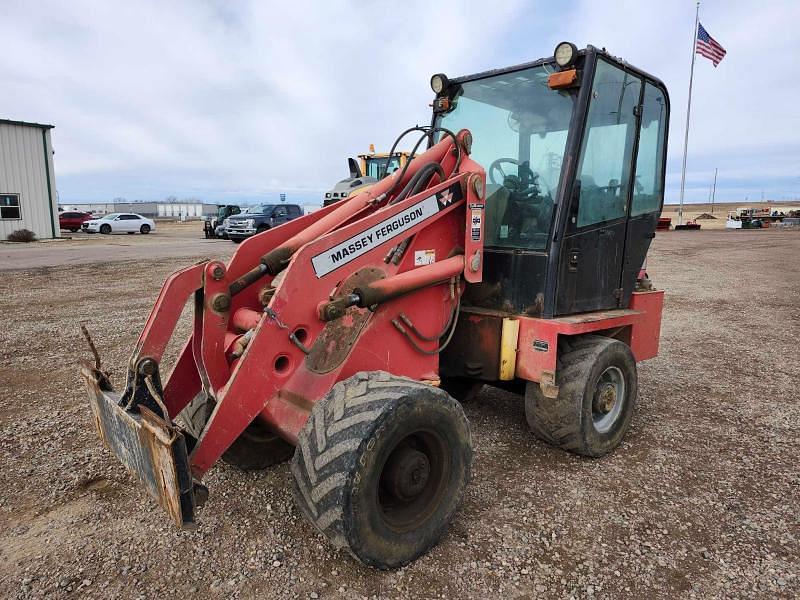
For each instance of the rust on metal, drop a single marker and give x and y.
(337, 338)
(150, 448)
(547, 384)
(475, 349)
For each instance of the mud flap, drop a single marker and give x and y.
(149, 447)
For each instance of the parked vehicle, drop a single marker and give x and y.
(120, 223)
(73, 221)
(213, 226)
(258, 219)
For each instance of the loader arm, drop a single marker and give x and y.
(300, 307)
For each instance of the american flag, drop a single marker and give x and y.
(708, 46)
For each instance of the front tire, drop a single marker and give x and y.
(381, 467)
(598, 384)
(105, 229)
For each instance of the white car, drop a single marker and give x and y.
(119, 223)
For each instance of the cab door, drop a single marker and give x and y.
(648, 185)
(592, 252)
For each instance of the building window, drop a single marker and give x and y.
(9, 207)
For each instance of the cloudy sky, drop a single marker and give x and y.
(238, 101)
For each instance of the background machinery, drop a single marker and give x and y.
(212, 226)
(369, 169)
(508, 253)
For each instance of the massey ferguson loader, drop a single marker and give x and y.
(509, 252)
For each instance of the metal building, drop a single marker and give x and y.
(27, 181)
(161, 210)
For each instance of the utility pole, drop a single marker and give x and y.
(714, 190)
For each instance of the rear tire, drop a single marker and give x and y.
(381, 467)
(106, 229)
(255, 449)
(144, 229)
(597, 383)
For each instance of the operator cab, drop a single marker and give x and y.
(574, 151)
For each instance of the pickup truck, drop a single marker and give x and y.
(258, 219)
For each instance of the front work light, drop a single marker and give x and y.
(565, 54)
(439, 83)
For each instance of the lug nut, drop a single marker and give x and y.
(218, 272)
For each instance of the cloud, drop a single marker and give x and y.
(243, 100)
(744, 116)
(225, 99)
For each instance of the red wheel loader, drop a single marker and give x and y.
(508, 253)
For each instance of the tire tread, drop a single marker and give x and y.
(557, 420)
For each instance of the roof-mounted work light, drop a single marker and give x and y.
(439, 83)
(565, 54)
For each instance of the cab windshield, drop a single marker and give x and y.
(519, 129)
(376, 167)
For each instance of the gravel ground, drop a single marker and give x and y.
(701, 500)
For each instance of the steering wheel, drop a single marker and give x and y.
(529, 192)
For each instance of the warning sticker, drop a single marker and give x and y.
(475, 224)
(350, 249)
(424, 257)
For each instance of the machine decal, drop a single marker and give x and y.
(541, 345)
(424, 257)
(475, 222)
(450, 195)
(350, 249)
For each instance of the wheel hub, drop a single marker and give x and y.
(407, 473)
(609, 398)
(605, 399)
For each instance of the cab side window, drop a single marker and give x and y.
(648, 192)
(601, 189)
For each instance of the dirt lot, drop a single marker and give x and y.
(701, 499)
(171, 240)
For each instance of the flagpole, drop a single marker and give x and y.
(688, 112)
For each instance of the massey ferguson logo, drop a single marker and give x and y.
(390, 228)
(450, 195)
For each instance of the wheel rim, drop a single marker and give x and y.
(609, 397)
(413, 481)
